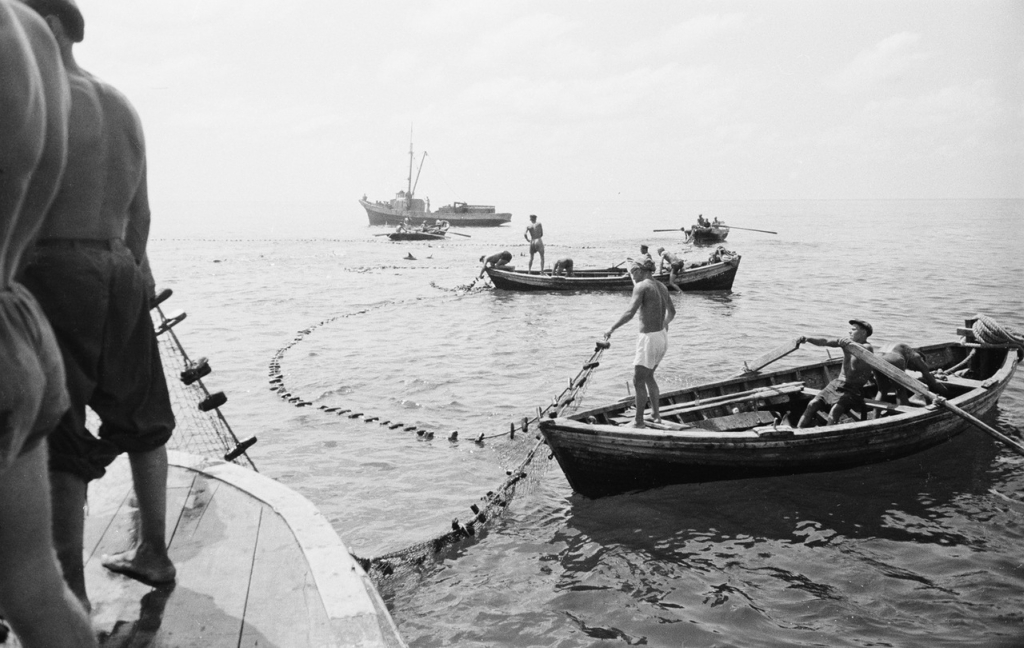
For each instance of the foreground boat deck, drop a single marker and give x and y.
(257, 564)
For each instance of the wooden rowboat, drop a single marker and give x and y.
(743, 426)
(708, 235)
(713, 276)
(418, 236)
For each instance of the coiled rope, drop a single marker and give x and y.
(988, 331)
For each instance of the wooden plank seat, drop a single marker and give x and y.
(763, 393)
(871, 403)
(735, 421)
(958, 381)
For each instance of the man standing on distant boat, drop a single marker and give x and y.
(653, 301)
(847, 391)
(535, 235)
(90, 275)
(34, 106)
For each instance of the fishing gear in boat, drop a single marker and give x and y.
(201, 427)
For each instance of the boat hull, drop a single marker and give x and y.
(603, 458)
(709, 235)
(416, 236)
(383, 214)
(714, 276)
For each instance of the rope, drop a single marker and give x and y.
(988, 331)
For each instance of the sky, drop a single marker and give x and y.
(260, 112)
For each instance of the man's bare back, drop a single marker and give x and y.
(654, 305)
(535, 231)
(103, 195)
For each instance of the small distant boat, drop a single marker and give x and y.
(709, 235)
(405, 207)
(737, 427)
(417, 236)
(712, 276)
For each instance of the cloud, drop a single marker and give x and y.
(691, 34)
(887, 60)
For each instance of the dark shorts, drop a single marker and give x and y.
(33, 395)
(678, 266)
(838, 393)
(96, 301)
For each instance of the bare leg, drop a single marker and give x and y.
(529, 268)
(641, 397)
(541, 259)
(672, 281)
(653, 393)
(807, 420)
(68, 494)
(34, 599)
(148, 561)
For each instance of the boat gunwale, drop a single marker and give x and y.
(334, 569)
(547, 281)
(574, 423)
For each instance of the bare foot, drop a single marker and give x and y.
(142, 564)
(638, 425)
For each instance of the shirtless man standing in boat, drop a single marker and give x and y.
(653, 301)
(535, 235)
(847, 390)
(34, 104)
(87, 271)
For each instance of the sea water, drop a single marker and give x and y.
(924, 551)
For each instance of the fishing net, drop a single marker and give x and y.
(395, 569)
(201, 428)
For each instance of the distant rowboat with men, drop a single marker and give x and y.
(710, 276)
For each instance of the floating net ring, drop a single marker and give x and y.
(988, 331)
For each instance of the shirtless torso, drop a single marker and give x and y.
(534, 232)
(656, 308)
(35, 109)
(104, 193)
(33, 140)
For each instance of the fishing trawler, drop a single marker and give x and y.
(405, 207)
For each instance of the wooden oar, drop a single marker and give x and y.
(457, 234)
(384, 234)
(775, 354)
(680, 229)
(749, 229)
(914, 385)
